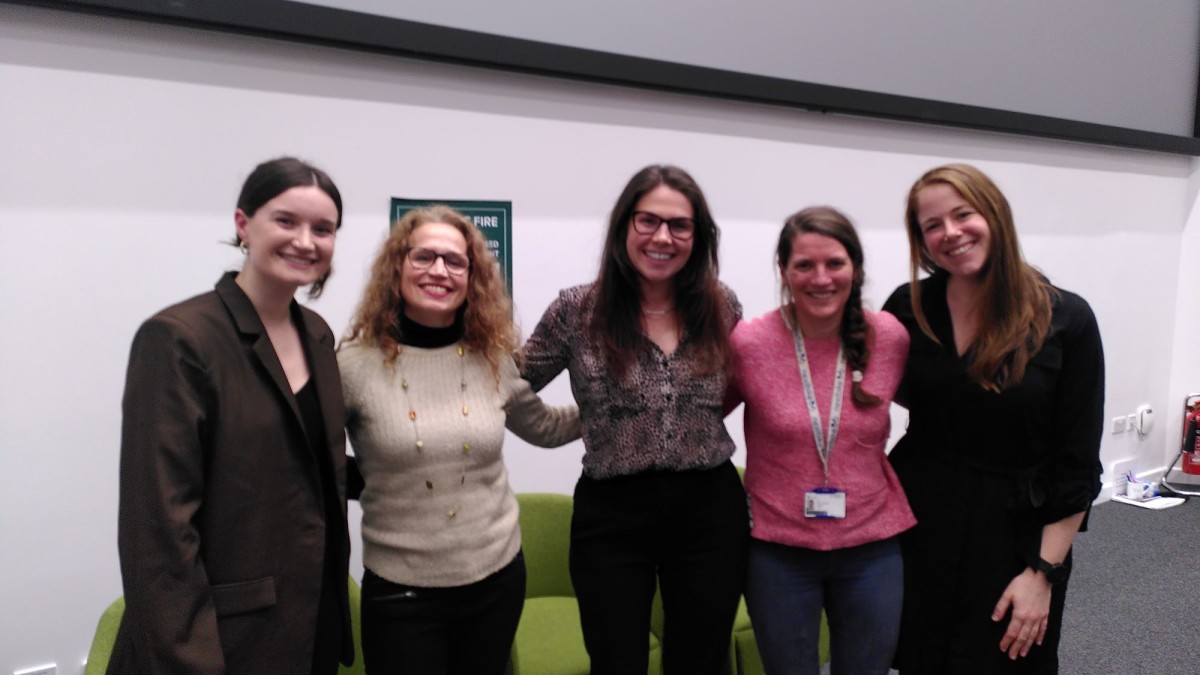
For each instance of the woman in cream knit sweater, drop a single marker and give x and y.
(430, 385)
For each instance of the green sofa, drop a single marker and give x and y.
(549, 638)
(106, 635)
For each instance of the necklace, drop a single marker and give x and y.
(419, 446)
(657, 312)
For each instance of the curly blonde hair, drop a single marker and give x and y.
(487, 311)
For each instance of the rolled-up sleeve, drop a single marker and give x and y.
(1074, 472)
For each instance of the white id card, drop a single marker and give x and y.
(825, 502)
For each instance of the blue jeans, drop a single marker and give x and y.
(860, 588)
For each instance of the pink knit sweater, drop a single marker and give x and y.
(781, 458)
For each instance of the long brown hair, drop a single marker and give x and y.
(487, 313)
(699, 302)
(855, 332)
(1017, 300)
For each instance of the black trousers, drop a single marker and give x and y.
(689, 531)
(461, 630)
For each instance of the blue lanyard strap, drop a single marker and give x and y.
(824, 443)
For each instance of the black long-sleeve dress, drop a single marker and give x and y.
(984, 472)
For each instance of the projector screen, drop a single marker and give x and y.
(1113, 62)
(1100, 71)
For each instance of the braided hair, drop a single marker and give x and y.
(855, 332)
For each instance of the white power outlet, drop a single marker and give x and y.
(1117, 473)
(48, 669)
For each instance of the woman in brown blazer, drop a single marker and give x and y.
(232, 525)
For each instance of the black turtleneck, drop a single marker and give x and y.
(425, 337)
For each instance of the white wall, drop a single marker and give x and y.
(1185, 364)
(123, 146)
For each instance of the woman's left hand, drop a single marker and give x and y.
(1028, 595)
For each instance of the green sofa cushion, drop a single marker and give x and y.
(550, 640)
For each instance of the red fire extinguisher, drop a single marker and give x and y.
(1191, 444)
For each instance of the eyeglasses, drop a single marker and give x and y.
(648, 223)
(423, 259)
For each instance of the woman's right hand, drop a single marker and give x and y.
(1028, 596)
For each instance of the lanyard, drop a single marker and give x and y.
(824, 443)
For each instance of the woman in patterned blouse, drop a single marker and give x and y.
(647, 348)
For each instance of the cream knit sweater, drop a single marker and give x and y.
(409, 536)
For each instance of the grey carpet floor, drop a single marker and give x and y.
(1133, 605)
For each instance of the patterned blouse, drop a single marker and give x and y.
(659, 416)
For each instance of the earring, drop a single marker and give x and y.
(243, 247)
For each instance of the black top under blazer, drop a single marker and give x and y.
(222, 525)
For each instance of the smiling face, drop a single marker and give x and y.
(819, 276)
(289, 239)
(433, 296)
(955, 235)
(658, 257)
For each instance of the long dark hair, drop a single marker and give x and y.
(274, 177)
(855, 331)
(699, 302)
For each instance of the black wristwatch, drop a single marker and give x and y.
(1056, 573)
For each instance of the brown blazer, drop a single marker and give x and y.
(222, 505)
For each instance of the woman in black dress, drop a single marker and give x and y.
(1005, 391)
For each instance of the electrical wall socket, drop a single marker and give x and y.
(1119, 424)
(1117, 473)
(48, 669)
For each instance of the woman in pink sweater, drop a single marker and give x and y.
(817, 376)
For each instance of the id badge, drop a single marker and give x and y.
(825, 502)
